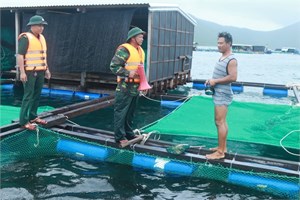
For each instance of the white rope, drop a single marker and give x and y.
(159, 101)
(167, 114)
(136, 132)
(156, 136)
(155, 132)
(145, 138)
(72, 122)
(294, 154)
(232, 161)
(146, 135)
(106, 142)
(37, 135)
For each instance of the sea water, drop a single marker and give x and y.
(260, 68)
(67, 178)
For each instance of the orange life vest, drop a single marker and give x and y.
(35, 57)
(136, 58)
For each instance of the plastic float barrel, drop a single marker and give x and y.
(146, 162)
(179, 168)
(7, 86)
(276, 92)
(45, 91)
(278, 187)
(61, 92)
(83, 150)
(170, 104)
(11, 86)
(237, 88)
(85, 95)
(199, 86)
(164, 165)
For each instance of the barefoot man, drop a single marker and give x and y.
(224, 74)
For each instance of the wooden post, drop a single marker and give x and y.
(17, 27)
(82, 80)
(165, 86)
(171, 83)
(155, 88)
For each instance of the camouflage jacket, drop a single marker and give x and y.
(117, 67)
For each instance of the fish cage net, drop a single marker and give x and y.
(44, 142)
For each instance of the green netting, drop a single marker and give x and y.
(247, 122)
(9, 113)
(8, 59)
(26, 145)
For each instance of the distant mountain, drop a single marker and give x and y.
(206, 35)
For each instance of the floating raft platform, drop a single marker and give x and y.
(275, 90)
(280, 177)
(153, 155)
(62, 114)
(157, 147)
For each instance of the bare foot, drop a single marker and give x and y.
(215, 155)
(216, 149)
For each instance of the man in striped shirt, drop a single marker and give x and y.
(224, 74)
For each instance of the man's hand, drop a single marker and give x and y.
(23, 77)
(143, 92)
(211, 82)
(47, 74)
(133, 74)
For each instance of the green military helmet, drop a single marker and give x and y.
(36, 19)
(134, 31)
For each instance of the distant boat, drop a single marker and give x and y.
(206, 48)
(248, 48)
(290, 50)
(242, 48)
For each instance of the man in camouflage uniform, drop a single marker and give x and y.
(124, 64)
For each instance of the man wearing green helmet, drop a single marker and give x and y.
(124, 64)
(32, 63)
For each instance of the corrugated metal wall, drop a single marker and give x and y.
(171, 36)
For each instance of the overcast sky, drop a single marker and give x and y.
(264, 15)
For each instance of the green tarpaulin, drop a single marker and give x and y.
(247, 122)
(9, 113)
